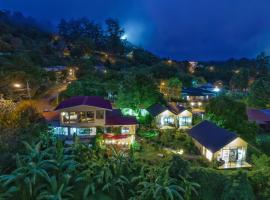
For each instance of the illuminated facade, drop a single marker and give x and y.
(218, 144)
(85, 116)
(196, 97)
(170, 116)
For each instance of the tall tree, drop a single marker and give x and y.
(239, 80)
(114, 33)
(262, 63)
(137, 91)
(226, 112)
(259, 94)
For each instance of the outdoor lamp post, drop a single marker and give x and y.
(19, 86)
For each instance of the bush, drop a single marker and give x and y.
(211, 182)
(238, 187)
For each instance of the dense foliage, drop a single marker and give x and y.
(54, 172)
(259, 95)
(231, 114)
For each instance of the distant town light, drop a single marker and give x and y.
(124, 37)
(216, 89)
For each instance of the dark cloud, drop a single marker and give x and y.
(181, 29)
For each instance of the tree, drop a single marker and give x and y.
(137, 91)
(160, 186)
(225, 112)
(179, 168)
(171, 89)
(238, 188)
(262, 64)
(239, 81)
(74, 89)
(259, 94)
(114, 33)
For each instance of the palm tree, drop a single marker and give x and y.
(8, 193)
(111, 175)
(162, 187)
(56, 190)
(31, 171)
(190, 188)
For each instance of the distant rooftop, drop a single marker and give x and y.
(55, 68)
(156, 109)
(258, 116)
(192, 91)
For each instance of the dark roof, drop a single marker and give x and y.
(211, 136)
(95, 101)
(266, 111)
(206, 86)
(176, 109)
(259, 116)
(115, 117)
(156, 109)
(197, 92)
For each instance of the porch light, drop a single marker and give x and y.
(199, 103)
(192, 103)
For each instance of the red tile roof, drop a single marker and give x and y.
(51, 116)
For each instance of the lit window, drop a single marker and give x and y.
(73, 117)
(168, 121)
(125, 130)
(87, 116)
(60, 130)
(185, 121)
(65, 117)
(209, 154)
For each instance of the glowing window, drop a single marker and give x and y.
(125, 130)
(208, 154)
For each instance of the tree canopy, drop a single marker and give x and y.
(137, 91)
(259, 94)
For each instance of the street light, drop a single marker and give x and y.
(18, 85)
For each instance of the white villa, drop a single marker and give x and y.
(170, 116)
(216, 143)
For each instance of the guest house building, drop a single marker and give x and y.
(86, 116)
(218, 144)
(170, 116)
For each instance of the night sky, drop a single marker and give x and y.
(178, 29)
